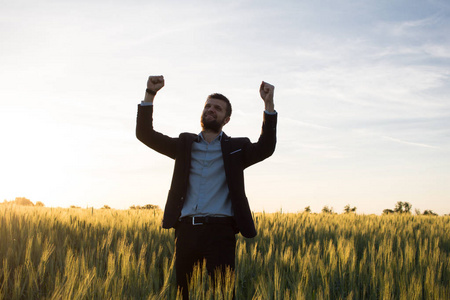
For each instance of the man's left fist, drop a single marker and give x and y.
(266, 91)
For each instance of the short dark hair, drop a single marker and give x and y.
(223, 98)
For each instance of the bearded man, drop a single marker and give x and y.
(206, 203)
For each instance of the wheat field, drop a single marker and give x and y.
(56, 253)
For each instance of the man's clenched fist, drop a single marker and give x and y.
(266, 91)
(155, 83)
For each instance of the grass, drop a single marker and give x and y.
(48, 253)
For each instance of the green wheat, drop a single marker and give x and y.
(48, 253)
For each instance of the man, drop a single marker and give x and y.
(207, 204)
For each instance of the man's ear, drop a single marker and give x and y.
(227, 119)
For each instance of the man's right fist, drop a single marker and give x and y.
(155, 83)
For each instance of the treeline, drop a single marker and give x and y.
(400, 207)
(23, 201)
(405, 208)
(27, 202)
(147, 206)
(330, 210)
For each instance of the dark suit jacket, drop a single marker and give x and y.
(238, 154)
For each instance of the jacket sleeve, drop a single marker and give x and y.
(265, 146)
(153, 139)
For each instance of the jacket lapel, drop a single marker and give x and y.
(226, 148)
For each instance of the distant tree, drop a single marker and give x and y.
(150, 206)
(429, 212)
(39, 203)
(398, 207)
(73, 206)
(23, 201)
(327, 210)
(307, 209)
(387, 211)
(146, 206)
(403, 207)
(106, 207)
(348, 209)
(407, 207)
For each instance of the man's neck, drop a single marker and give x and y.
(210, 135)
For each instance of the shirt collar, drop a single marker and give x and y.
(200, 137)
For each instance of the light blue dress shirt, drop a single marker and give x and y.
(207, 193)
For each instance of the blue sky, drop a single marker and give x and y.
(361, 88)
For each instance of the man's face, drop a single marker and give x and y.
(213, 116)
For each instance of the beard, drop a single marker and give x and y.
(212, 125)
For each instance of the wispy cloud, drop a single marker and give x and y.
(305, 124)
(409, 143)
(436, 50)
(411, 27)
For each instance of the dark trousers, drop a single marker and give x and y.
(214, 243)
